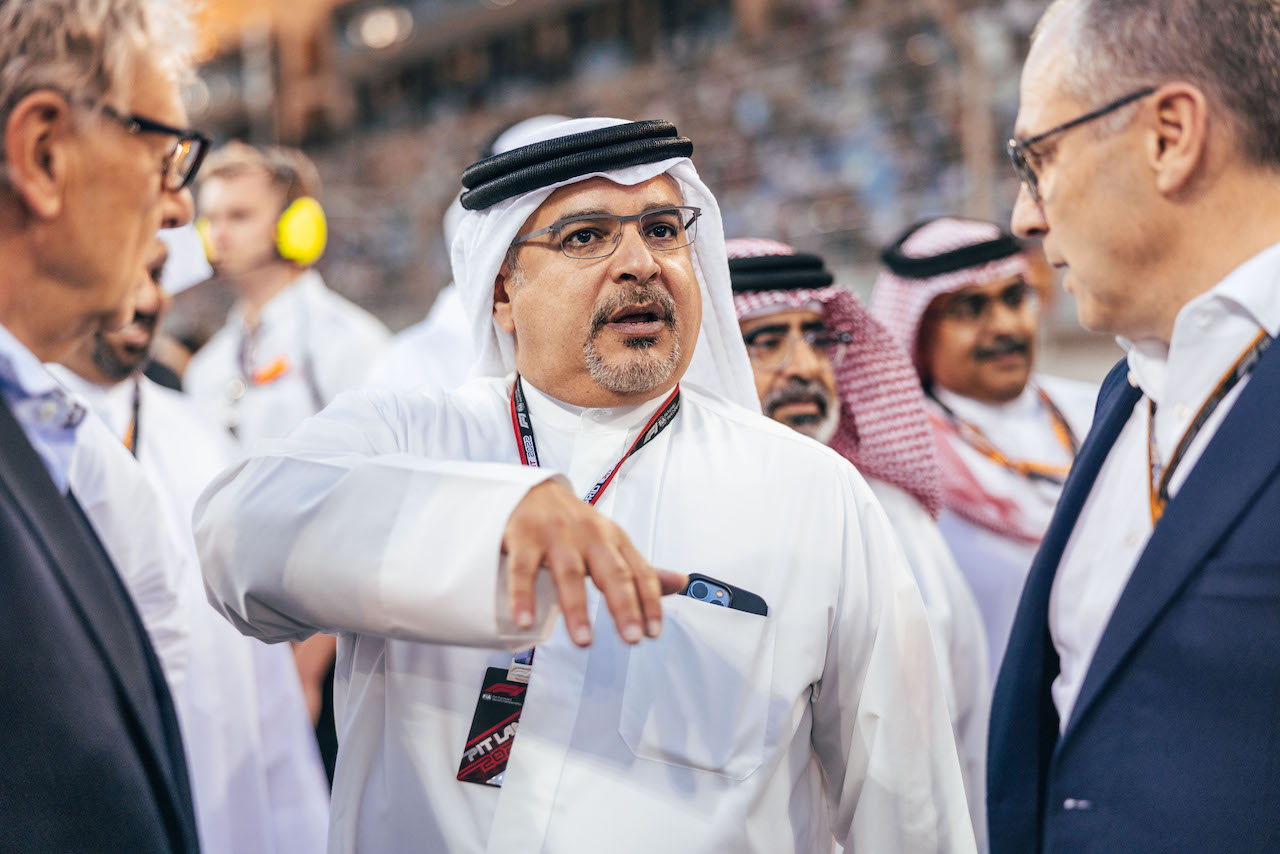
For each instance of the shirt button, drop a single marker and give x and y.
(1130, 541)
(1182, 412)
(47, 410)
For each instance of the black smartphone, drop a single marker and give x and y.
(713, 591)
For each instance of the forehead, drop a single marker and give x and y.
(155, 93)
(243, 187)
(603, 195)
(792, 318)
(1043, 101)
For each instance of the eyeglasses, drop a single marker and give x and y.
(182, 161)
(971, 308)
(1020, 149)
(771, 347)
(598, 235)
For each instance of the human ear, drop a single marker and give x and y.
(1177, 142)
(35, 151)
(502, 300)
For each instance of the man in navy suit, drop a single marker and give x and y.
(1138, 706)
(94, 162)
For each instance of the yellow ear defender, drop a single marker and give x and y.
(202, 228)
(302, 232)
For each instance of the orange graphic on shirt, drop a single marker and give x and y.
(271, 372)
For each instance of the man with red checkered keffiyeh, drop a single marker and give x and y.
(825, 367)
(959, 296)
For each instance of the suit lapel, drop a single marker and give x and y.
(1238, 461)
(89, 580)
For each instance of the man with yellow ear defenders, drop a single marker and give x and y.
(290, 344)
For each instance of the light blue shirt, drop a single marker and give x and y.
(47, 412)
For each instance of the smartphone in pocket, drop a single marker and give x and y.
(713, 591)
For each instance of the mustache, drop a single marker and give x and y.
(666, 306)
(797, 390)
(1003, 346)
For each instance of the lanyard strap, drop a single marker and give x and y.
(133, 435)
(528, 448)
(1056, 474)
(1160, 474)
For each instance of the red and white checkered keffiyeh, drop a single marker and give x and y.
(883, 427)
(900, 303)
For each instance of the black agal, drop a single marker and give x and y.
(778, 273)
(542, 164)
(947, 262)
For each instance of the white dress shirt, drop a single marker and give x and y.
(435, 354)
(995, 565)
(1209, 334)
(257, 780)
(382, 519)
(309, 344)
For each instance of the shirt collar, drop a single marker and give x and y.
(990, 416)
(22, 375)
(566, 417)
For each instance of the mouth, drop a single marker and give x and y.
(136, 336)
(1004, 352)
(799, 409)
(645, 319)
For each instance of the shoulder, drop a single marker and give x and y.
(1076, 399)
(216, 357)
(333, 307)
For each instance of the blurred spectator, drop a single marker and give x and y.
(957, 295)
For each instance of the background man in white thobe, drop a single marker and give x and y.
(256, 776)
(290, 344)
(958, 296)
(826, 368)
(726, 730)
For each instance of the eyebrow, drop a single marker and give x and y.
(582, 214)
(769, 329)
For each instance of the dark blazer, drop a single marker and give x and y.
(1174, 741)
(90, 753)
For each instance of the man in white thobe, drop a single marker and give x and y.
(407, 524)
(826, 368)
(958, 296)
(256, 776)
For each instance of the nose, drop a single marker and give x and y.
(1028, 216)
(177, 208)
(148, 296)
(634, 259)
(805, 360)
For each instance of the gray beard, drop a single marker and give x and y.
(824, 428)
(640, 373)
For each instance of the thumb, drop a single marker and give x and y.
(672, 582)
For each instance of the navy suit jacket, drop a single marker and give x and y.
(1174, 742)
(91, 757)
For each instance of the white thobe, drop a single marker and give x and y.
(959, 638)
(435, 354)
(731, 732)
(995, 565)
(257, 781)
(309, 345)
(1210, 333)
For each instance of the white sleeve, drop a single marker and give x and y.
(336, 529)
(882, 733)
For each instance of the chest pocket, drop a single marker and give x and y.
(700, 696)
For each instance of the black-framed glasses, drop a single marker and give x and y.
(183, 160)
(585, 236)
(1020, 149)
(974, 307)
(772, 347)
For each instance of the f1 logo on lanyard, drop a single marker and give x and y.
(497, 715)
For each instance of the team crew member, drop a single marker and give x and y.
(612, 369)
(825, 367)
(957, 295)
(290, 343)
(256, 776)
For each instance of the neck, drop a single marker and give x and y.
(259, 286)
(47, 317)
(1237, 221)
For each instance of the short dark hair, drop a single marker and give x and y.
(1230, 49)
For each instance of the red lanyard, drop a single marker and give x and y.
(528, 448)
(974, 438)
(1161, 475)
